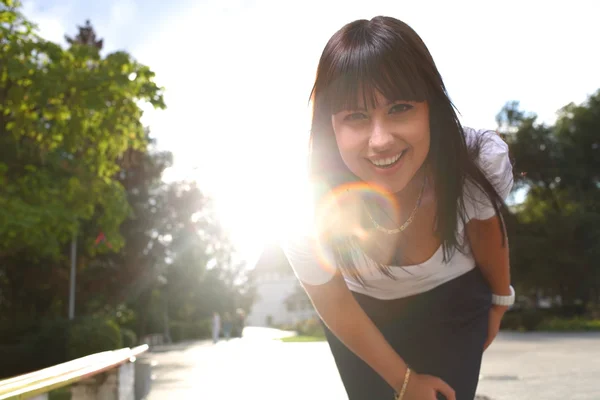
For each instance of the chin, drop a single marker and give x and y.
(389, 187)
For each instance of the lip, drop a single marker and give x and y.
(383, 157)
(391, 170)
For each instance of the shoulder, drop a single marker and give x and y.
(491, 154)
(312, 261)
(487, 142)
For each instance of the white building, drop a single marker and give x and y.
(280, 300)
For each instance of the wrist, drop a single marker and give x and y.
(399, 379)
(499, 308)
(504, 290)
(399, 393)
(503, 299)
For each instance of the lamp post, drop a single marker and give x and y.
(72, 277)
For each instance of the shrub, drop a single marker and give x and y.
(310, 327)
(527, 320)
(60, 394)
(33, 346)
(531, 319)
(182, 331)
(511, 321)
(21, 359)
(93, 335)
(565, 325)
(129, 337)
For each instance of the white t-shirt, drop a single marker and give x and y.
(314, 264)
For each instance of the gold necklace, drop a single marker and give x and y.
(408, 221)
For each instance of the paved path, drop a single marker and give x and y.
(546, 366)
(516, 366)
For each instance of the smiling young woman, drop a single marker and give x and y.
(408, 264)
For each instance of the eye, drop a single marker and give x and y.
(400, 108)
(355, 117)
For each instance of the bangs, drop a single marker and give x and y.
(356, 74)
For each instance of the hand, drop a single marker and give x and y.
(496, 314)
(426, 387)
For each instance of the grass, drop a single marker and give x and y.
(303, 339)
(63, 393)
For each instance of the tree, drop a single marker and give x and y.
(66, 117)
(75, 158)
(86, 37)
(556, 241)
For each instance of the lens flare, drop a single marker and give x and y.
(341, 214)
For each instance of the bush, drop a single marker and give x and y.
(511, 321)
(20, 357)
(559, 319)
(129, 337)
(522, 320)
(33, 346)
(565, 325)
(93, 335)
(60, 394)
(531, 319)
(310, 327)
(182, 331)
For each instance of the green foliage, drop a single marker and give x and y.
(310, 328)
(565, 325)
(32, 345)
(66, 118)
(183, 331)
(93, 335)
(74, 158)
(544, 320)
(303, 339)
(526, 320)
(129, 338)
(555, 233)
(60, 394)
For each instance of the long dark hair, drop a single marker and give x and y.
(385, 55)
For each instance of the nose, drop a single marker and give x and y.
(381, 138)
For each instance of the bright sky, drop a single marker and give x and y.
(238, 74)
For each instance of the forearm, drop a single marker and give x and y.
(351, 325)
(498, 277)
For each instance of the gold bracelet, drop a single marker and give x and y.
(400, 395)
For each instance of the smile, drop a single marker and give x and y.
(388, 162)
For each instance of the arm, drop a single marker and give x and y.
(492, 257)
(346, 319)
(490, 254)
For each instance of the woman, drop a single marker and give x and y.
(408, 264)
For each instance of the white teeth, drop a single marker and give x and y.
(388, 161)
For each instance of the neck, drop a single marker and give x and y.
(406, 199)
(391, 215)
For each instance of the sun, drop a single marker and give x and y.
(273, 201)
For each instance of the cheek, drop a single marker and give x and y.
(421, 139)
(422, 144)
(349, 144)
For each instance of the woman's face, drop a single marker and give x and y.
(385, 145)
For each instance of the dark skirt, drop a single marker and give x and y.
(440, 332)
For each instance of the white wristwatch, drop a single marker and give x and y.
(504, 300)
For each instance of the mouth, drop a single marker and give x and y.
(388, 162)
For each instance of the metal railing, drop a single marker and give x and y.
(55, 377)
